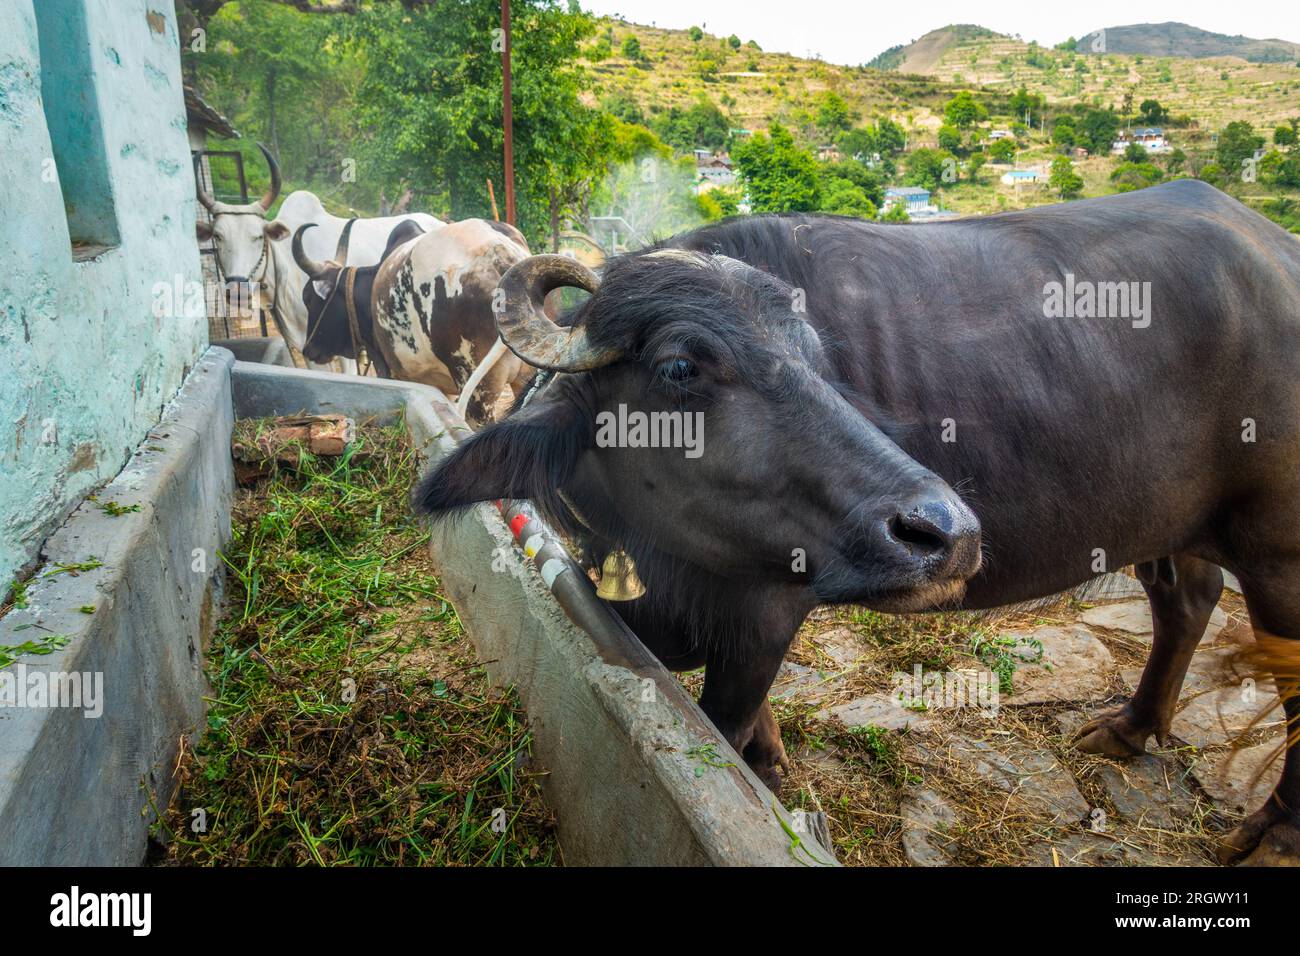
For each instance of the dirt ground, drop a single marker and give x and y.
(998, 782)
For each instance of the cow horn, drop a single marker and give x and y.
(341, 252)
(272, 191)
(206, 199)
(527, 330)
(315, 270)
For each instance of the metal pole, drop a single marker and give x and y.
(507, 120)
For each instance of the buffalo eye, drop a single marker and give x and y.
(677, 370)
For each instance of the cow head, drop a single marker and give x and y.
(242, 235)
(790, 482)
(328, 328)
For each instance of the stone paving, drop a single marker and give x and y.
(1007, 786)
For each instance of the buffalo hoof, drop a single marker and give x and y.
(1268, 837)
(1116, 733)
(765, 751)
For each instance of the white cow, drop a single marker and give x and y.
(255, 264)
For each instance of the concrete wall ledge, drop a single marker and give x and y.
(637, 774)
(77, 789)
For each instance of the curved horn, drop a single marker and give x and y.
(341, 252)
(314, 269)
(272, 191)
(525, 328)
(205, 198)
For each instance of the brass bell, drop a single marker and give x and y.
(618, 578)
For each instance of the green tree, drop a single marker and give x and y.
(1002, 150)
(1063, 132)
(949, 138)
(733, 41)
(1130, 176)
(1285, 135)
(1064, 179)
(842, 198)
(1237, 143)
(1135, 153)
(1152, 113)
(631, 47)
(696, 34)
(973, 167)
(896, 213)
(931, 168)
(832, 114)
(278, 76)
(1097, 131)
(1026, 107)
(778, 175)
(431, 92)
(702, 124)
(963, 110)
(870, 181)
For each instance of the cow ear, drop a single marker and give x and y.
(276, 231)
(530, 454)
(203, 230)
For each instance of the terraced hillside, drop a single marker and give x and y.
(755, 87)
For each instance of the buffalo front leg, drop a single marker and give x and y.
(1183, 591)
(735, 699)
(1271, 836)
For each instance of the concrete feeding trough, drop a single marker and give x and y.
(636, 773)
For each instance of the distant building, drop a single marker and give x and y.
(1150, 138)
(829, 154)
(1022, 177)
(997, 134)
(1079, 152)
(713, 170)
(914, 199)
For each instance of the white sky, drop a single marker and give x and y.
(844, 31)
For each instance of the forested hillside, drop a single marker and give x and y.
(401, 101)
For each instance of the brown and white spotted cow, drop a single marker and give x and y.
(433, 309)
(424, 312)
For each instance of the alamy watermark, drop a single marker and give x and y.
(933, 690)
(41, 689)
(1084, 299)
(636, 429)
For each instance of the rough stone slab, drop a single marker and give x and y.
(1148, 789)
(1134, 617)
(1075, 666)
(795, 681)
(878, 710)
(927, 820)
(1243, 780)
(840, 645)
(1034, 778)
(76, 790)
(1101, 849)
(1216, 703)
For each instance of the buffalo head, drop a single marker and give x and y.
(773, 474)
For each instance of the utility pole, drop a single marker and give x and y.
(507, 119)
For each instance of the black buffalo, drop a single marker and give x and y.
(910, 417)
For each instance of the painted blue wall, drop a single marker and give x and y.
(90, 349)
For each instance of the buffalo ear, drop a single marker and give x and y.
(203, 230)
(276, 231)
(530, 454)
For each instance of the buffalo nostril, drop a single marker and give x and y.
(919, 533)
